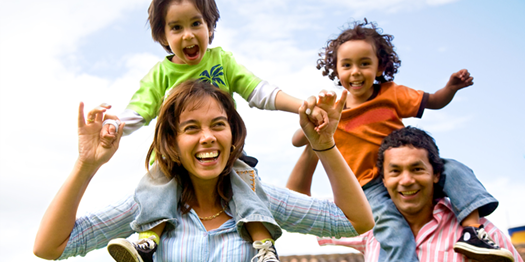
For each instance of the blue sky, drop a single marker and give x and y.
(56, 53)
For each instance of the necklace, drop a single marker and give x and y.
(211, 217)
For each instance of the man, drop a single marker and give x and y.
(411, 167)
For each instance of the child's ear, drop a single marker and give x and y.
(380, 72)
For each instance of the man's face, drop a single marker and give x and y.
(409, 179)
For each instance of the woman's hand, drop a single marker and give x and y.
(91, 150)
(323, 138)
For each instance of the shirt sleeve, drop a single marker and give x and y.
(410, 102)
(263, 96)
(148, 99)
(94, 230)
(239, 79)
(133, 120)
(300, 213)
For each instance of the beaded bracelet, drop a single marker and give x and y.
(322, 150)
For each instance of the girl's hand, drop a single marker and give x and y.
(460, 79)
(91, 150)
(323, 138)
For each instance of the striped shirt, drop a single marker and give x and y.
(190, 241)
(434, 242)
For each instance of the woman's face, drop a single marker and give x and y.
(204, 140)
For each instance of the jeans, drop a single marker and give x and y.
(158, 199)
(458, 182)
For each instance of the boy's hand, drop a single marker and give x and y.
(459, 80)
(108, 132)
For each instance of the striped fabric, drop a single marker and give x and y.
(190, 241)
(435, 240)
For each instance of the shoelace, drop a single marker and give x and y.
(144, 243)
(266, 252)
(483, 235)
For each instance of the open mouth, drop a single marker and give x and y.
(191, 52)
(207, 156)
(408, 193)
(356, 83)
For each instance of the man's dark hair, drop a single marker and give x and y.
(415, 137)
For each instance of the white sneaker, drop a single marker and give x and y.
(266, 252)
(123, 250)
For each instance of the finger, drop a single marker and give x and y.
(105, 105)
(341, 102)
(120, 133)
(81, 120)
(311, 102)
(95, 114)
(111, 129)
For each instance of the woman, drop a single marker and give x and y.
(200, 135)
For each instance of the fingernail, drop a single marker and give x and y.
(104, 104)
(308, 111)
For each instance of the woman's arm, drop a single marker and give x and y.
(348, 195)
(59, 218)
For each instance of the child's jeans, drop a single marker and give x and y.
(458, 182)
(158, 199)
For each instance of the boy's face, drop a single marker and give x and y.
(409, 179)
(187, 34)
(357, 68)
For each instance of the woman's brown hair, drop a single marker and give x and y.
(188, 96)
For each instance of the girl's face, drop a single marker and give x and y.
(357, 68)
(204, 140)
(187, 34)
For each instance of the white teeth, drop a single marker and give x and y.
(207, 154)
(190, 46)
(356, 83)
(409, 193)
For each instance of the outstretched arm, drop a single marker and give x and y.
(443, 96)
(288, 103)
(347, 192)
(59, 218)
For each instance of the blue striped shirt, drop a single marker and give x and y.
(190, 241)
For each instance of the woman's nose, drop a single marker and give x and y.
(207, 137)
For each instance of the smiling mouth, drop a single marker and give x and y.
(355, 83)
(207, 156)
(408, 193)
(192, 52)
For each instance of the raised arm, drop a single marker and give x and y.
(443, 96)
(59, 218)
(347, 192)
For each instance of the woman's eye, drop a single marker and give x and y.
(189, 128)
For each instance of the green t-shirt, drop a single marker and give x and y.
(217, 67)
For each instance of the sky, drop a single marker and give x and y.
(56, 53)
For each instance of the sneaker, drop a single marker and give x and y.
(476, 244)
(123, 250)
(266, 252)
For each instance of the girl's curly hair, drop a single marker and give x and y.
(388, 59)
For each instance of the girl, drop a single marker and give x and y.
(364, 62)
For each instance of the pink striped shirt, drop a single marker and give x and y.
(435, 240)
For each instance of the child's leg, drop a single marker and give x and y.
(470, 201)
(391, 229)
(250, 210)
(154, 233)
(466, 193)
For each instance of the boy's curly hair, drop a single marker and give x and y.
(388, 59)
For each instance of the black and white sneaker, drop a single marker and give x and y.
(123, 250)
(266, 252)
(476, 244)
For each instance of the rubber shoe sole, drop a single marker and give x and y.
(484, 254)
(123, 251)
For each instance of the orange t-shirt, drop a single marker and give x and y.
(362, 129)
